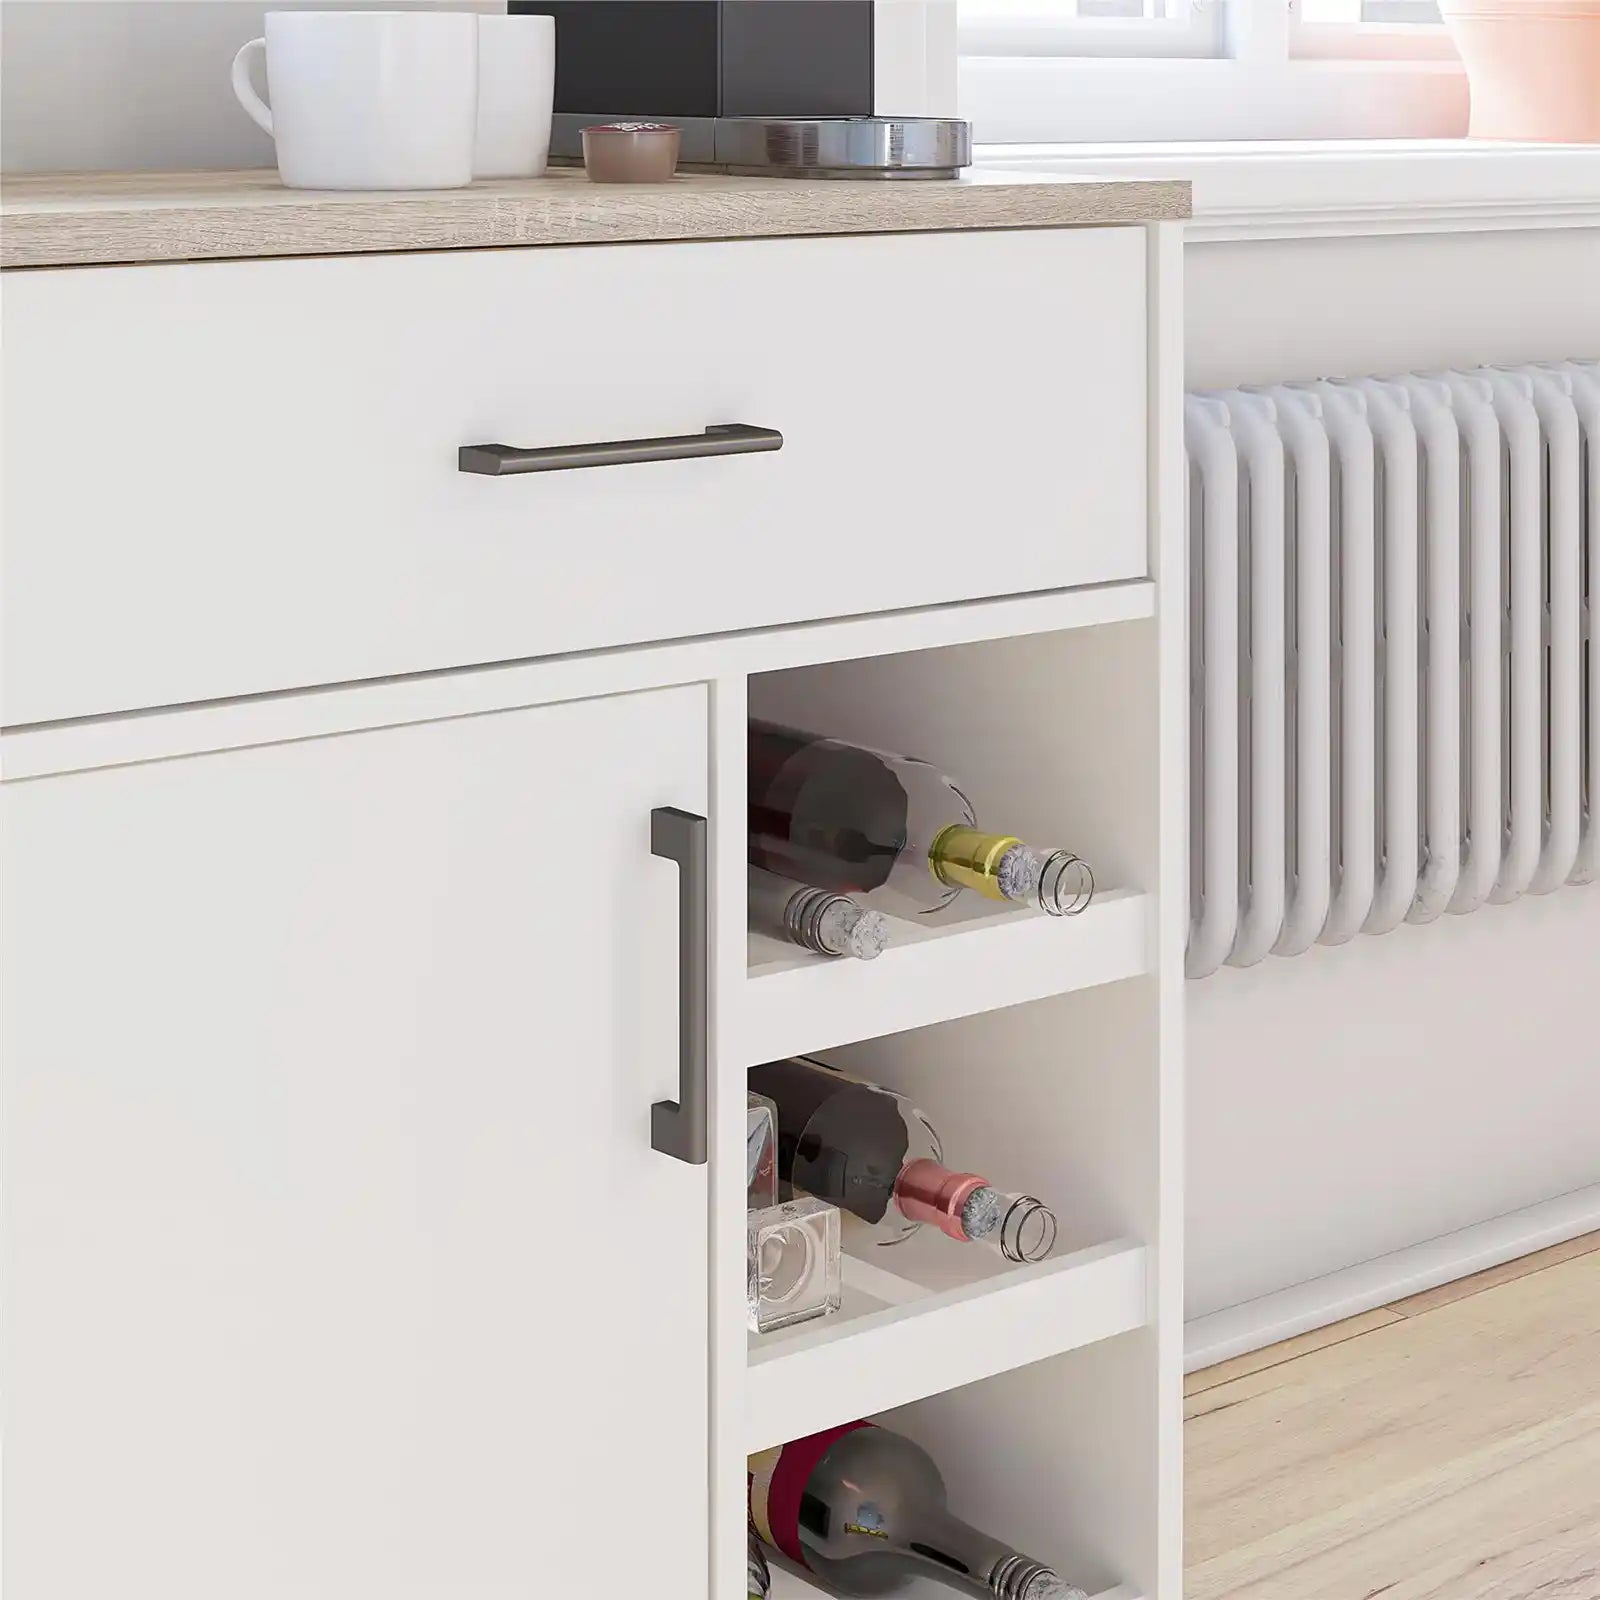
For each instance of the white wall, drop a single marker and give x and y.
(1260, 312)
(142, 85)
(1353, 1101)
(90, 85)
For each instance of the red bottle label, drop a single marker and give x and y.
(778, 1484)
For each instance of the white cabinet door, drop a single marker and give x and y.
(339, 1265)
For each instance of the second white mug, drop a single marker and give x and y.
(365, 99)
(516, 88)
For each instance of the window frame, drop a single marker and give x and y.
(1036, 28)
(1365, 41)
(1268, 76)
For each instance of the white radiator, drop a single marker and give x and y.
(1394, 652)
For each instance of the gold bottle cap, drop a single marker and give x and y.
(968, 858)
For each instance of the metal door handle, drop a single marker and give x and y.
(678, 1127)
(725, 439)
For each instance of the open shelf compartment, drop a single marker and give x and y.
(1047, 736)
(895, 1341)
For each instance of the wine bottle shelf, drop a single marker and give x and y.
(787, 1584)
(975, 958)
(899, 1338)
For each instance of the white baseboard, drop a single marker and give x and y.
(1315, 1304)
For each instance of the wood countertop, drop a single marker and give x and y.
(72, 219)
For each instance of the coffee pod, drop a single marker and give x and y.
(630, 152)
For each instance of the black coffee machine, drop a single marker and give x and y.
(772, 87)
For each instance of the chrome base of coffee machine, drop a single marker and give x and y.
(843, 147)
(808, 147)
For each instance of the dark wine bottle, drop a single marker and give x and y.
(889, 831)
(873, 1154)
(865, 1510)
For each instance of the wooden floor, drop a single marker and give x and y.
(1446, 1447)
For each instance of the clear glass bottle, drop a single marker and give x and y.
(793, 1263)
(818, 920)
(760, 1152)
(889, 831)
(865, 1510)
(873, 1154)
(758, 1578)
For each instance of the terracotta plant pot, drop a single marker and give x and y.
(1533, 67)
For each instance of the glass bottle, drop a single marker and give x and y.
(889, 831)
(760, 1152)
(794, 1269)
(758, 1581)
(818, 920)
(865, 1510)
(873, 1154)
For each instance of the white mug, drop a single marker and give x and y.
(516, 88)
(367, 99)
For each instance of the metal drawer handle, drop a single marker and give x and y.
(724, 439)
(678, 1127)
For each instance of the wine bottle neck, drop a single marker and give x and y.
(928, 1191)
(1002, 867)
(968, 858)
(967, 1560)
(970, 1209)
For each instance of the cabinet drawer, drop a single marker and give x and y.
(229, 478)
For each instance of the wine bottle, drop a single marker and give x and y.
(865, 1510)
(758, 1578)
(891, 831)
(870, 1152)
(818, 920)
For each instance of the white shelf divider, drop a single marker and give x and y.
(874, 1354)
(983, 958)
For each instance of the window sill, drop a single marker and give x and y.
(1311, 188)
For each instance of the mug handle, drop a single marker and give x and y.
(255, 107)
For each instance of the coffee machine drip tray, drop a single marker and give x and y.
(842, 147)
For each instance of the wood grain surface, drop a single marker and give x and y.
(1446, 1448)
(87, 218)
(1199, 1384)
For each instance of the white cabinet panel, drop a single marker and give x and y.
(334, 1240)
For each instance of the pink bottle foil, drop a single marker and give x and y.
(928, 1192)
